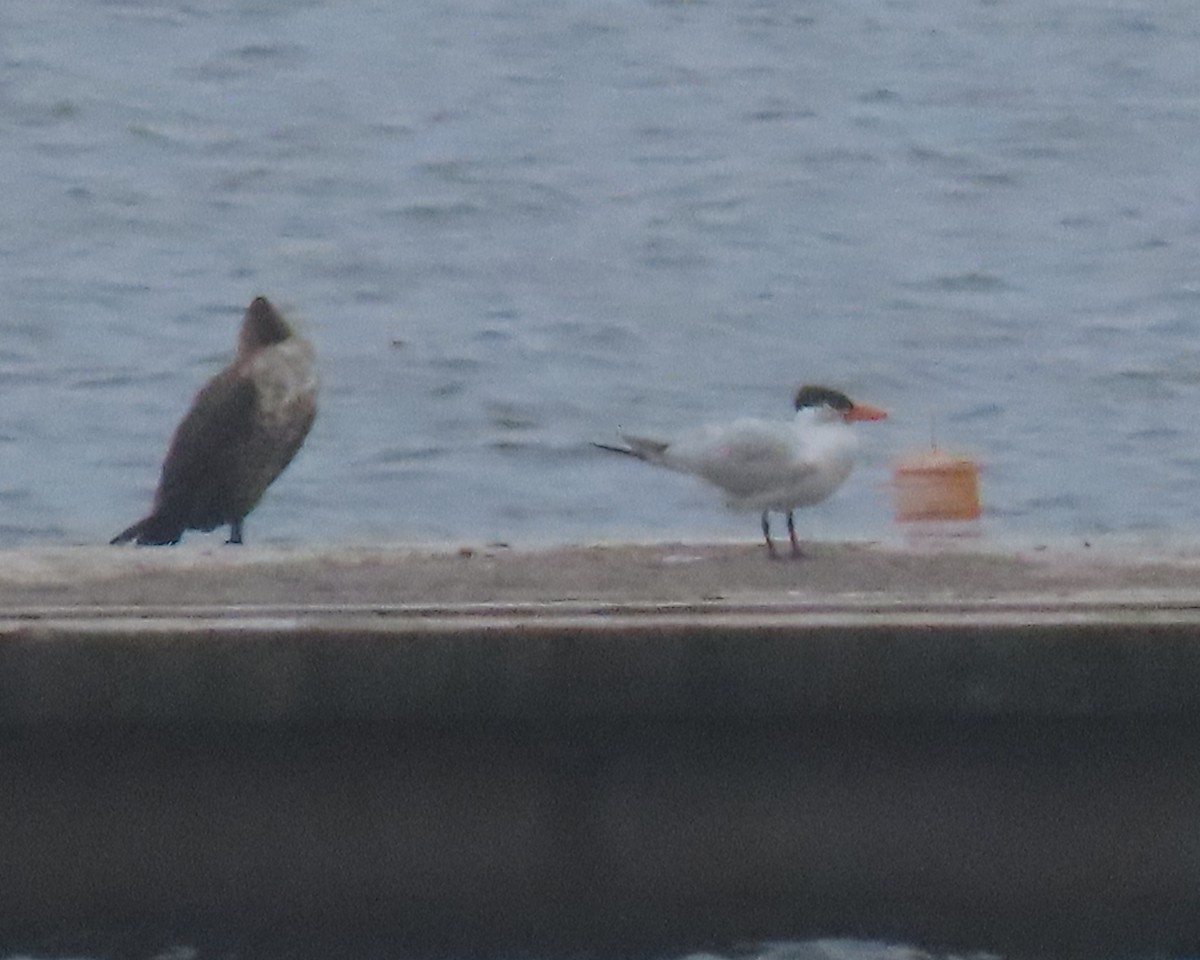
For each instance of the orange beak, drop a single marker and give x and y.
(862, 411)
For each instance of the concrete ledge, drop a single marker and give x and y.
(514, 763)
(598, 662)
(1056, 838)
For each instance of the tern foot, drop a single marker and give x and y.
(797, 552)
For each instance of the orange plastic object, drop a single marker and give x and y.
(936, 486)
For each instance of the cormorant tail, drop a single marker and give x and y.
(150, 531)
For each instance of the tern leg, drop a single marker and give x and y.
(791, 524)
(766, 529)
(235, 532)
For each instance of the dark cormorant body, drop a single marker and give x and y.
(243, 428)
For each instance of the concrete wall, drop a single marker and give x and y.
(567, 779)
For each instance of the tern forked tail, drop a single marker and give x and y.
(640, 448)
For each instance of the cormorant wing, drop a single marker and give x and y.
(203, 452)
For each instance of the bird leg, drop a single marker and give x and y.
(235, 532)
(797, 553)
(766, 529)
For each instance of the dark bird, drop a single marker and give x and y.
(243, 428)
(768, 465)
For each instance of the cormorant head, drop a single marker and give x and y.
(262, 326)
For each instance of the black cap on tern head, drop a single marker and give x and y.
(815, 396)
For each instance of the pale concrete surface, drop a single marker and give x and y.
(217, 575)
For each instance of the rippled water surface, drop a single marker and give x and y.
(807, 950)
(514, 227)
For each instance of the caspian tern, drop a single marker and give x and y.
(768, 465)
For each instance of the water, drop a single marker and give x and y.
(514, 227)
(807, 950)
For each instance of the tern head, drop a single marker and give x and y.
(826, 402)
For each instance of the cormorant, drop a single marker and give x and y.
(243, 428)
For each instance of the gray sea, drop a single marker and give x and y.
(512, 227)
(808, 950)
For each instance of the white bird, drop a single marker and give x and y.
(768, 465)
